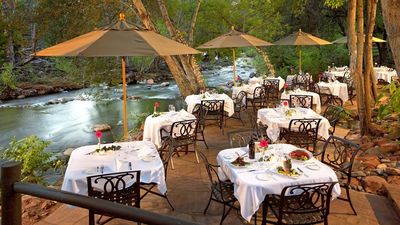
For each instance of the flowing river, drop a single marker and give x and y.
(69, 124)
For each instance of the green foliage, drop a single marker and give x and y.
(392, 93)
(143, 63)
(8, 78)
(139, 119)
(35, 161)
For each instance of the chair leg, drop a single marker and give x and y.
(91, 217)
(166, 197)
(349, 200)
(224, 215)
(264, 212)
(208, 204)
(204, 139)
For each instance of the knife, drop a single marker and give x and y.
(302, 172)
(130, 165)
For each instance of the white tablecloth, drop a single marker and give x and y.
(260, 81)
(192, 100)
(249, 89)
(152, 125)
(255, 80)
(251, 191)
(333, 74)
(275, 119)
(335, 88)
(384, 73)
(82, 164)
(316, 98)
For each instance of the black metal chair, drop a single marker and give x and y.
(300, 204)
(215, 111)
(221, 191)
(302, 132)
(302, 81)
(325, 93)
(341, 160)
(239, 106)
(350, 88)
(121, 187)
(259, 99)
(240, 138)
(333, 114)
(148, 187)
(303, 101)
(272, 91)
(180, 135)
(200, 111)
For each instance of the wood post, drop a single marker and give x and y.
(10, 200)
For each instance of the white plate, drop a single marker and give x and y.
(229, 157)
(313, 166)
(264, 176)
(149, 158)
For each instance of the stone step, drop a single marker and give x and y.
(393, 192)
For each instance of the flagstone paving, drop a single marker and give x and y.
(188, 190)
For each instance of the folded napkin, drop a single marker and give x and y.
(145, 152)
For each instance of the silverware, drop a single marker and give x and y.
(130, 165)
(102, 168)
(302, 172)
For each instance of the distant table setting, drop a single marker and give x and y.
(277, 118)
(316, 98)
(255, 80)
(270, 172)
(249, 89)
(260, 81)
(125, 156)
(332, 75)
(154, 123)
(192, 100)
(384, 73)
(335, 88)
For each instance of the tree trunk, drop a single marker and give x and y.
(391, 18)
(183, 73)
(193, 23)
(7, 10)
(368, 61)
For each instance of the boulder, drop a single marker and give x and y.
(164, 84)
(150, 81)
(374, 151)
(394, 180)
(392, 171)
(381, 166)
(389, 147)
(101, 127)
(369, 161)
(374, 184)
(358, 174)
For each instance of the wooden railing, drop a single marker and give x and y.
(12, 188)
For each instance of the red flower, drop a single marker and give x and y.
(156, 104)
(285, 103)
(263, 143)
(99, 134)
(285, 85)
(239, 78)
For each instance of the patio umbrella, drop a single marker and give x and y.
(301, 38)
(343, 40)
(119, 39)
(234, 39)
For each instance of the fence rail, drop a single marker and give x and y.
(12, 188)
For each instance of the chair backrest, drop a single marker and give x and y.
(259, 93)
(214, 106)
(303, 101)
(271, 89)
(240, 100)
(240, 138)
(200, 112)
(121, 187)
(333, 114)
(341, 155)
(305, 203)
(185, 129)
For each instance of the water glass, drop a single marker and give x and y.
(171, 108)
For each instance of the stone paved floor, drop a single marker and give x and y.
(188, 189)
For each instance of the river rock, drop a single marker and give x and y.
(374, 151)
(358, 174)
(21, 96)
(394, 180)
(389, 147)
(381, 166)
(374, 184)
(369, 161)
(150, 81)
(68, 151)
(164, 84)
(392, 171)
(101, 127)
(133, 97)
(252, 74)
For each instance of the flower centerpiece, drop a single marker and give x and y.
(156, 105)
(263, 145)
(285, 87)
(239, 80)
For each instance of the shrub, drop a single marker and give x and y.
(30, 152)
(8, 78)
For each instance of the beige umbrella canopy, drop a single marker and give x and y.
(234, 39)
(300, 38)
(119, 39)
(343, 40)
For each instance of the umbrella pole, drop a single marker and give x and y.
(124, 94)
(234, 67)
(299, 59)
